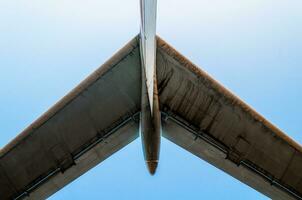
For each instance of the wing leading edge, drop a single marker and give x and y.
(204, 118)
(96, 119)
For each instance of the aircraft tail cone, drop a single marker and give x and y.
(152, 165)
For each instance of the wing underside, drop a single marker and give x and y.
(101, 116)
(93, 121)
(204, 118)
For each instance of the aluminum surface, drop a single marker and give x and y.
(148, 44)
(256, 152)
(81, 130)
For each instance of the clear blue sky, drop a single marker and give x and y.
(253, 47)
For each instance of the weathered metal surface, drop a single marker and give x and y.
(93, 121)
(148, 44)
(100, 116)
(206, 151)
(150, 127)
(150, 116)
(120, 138)
(188, 93)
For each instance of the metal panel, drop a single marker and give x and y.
(188, 93)
(86, 122)
(204, 149)
(148, 43)
(92, 157)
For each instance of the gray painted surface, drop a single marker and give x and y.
(150, 122)
(204, 150)
(148, 44)
(196, 100)
(120, 138)
(100, 116)
(101, 111)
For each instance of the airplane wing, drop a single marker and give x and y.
(96, 119)
(206, 119)
(101, 116)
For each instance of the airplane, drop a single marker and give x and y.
(148, 89)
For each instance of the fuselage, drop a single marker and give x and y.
(150, 120)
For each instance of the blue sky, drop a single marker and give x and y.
(253, 47)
